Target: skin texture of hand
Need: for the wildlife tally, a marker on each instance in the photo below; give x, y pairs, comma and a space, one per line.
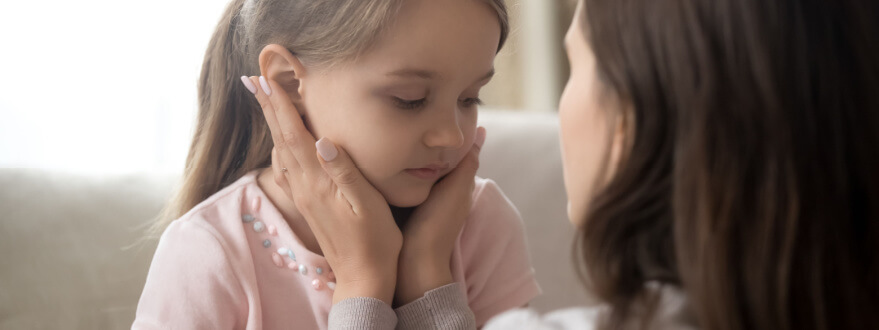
349, 217
432, 231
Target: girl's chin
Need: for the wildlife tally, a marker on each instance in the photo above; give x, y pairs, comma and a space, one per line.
407, 197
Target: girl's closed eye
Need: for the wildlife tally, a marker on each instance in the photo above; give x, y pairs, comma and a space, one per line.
471, 102
416, 104
409, 104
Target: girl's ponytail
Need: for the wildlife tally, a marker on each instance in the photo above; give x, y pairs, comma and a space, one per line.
231, 136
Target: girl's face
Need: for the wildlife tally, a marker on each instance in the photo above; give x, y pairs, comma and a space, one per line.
406, 110
585, 125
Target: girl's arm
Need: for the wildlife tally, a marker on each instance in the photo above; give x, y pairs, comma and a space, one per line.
495, 256
192, 283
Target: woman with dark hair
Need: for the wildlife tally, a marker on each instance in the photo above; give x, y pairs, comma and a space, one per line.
721, 167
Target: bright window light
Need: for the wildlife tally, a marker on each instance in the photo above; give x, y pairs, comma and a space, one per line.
101, 86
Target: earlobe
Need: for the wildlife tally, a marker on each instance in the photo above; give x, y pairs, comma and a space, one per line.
280, 65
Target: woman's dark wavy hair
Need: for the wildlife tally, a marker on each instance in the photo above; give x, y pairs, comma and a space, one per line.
751, 175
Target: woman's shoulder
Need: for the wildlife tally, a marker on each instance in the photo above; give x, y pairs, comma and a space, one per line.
528, 318
672, 312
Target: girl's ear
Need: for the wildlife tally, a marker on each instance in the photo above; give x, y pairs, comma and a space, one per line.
279, 64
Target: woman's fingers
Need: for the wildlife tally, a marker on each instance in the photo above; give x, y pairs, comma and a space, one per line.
466, 169
285, 166
278, 170
347, 177
290, 151
288, 131
252, 84
292, 130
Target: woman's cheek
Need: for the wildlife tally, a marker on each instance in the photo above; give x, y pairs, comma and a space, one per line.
576, 168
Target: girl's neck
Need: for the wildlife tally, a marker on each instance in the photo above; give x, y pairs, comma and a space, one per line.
266, 181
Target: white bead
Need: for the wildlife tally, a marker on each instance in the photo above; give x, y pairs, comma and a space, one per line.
259, 226
331, 285
283, 251
303, 270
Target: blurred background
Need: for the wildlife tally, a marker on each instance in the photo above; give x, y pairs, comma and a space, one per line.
98, 106
105, 86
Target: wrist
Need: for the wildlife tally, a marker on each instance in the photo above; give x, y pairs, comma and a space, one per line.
425, 254
417, 275
379, 286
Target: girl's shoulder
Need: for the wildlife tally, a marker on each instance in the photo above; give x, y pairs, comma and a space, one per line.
487, 193
491, 207
202, 262
223, 213
493, 254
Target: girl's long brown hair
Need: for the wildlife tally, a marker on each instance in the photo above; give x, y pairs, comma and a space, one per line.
751, 177
231, 136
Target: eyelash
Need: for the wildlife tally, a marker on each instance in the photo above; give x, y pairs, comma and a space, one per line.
411, 105
473, 101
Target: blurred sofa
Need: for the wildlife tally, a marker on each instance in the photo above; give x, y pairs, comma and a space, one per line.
73, 254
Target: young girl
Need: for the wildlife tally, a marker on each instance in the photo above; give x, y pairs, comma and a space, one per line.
395, 85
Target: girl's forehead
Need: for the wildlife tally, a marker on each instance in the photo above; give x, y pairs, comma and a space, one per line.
438, 40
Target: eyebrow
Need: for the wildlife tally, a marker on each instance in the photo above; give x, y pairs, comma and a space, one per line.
429, 75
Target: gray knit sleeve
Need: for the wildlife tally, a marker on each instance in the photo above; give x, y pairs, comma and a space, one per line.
362, 313
441, 308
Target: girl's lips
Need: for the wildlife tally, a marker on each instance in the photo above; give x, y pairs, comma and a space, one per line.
424, 173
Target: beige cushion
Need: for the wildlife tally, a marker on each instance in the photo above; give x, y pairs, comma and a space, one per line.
522, 154
64, 238
72, 257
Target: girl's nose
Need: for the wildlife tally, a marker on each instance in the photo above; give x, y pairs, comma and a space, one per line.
445, 132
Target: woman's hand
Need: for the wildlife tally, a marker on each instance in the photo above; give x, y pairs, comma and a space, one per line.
432, 231
349, 217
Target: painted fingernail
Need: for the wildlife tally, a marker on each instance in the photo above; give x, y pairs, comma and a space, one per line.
480, 136
326, 149
265, 85
248, 84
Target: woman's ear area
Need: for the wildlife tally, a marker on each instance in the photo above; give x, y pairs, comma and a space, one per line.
279, 64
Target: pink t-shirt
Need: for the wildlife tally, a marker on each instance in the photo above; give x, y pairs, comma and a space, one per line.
233, 262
